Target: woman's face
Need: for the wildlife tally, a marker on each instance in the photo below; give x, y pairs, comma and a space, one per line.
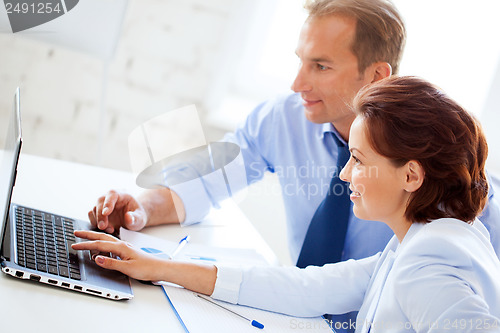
378, 187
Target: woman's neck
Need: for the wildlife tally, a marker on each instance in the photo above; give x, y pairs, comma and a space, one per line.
400, 228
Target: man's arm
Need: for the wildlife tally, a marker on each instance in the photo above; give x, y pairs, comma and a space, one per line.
189, 202
491, 214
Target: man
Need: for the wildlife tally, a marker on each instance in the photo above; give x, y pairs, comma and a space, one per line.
343, 45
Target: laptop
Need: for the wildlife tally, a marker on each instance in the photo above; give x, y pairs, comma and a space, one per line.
36, 245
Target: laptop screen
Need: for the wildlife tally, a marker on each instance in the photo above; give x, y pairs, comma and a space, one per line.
8, 165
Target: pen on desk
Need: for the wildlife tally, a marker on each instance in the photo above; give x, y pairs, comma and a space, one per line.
175, 311
181, 244
253, 322
202, 258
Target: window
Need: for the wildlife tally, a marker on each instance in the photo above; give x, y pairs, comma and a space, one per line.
452, 43
268, 62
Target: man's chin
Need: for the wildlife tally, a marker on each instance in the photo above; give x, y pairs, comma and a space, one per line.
314, 117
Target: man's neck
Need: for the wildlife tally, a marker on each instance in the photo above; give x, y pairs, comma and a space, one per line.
343, 128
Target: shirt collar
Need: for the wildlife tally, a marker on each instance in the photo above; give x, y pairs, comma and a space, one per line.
329, 128
412, 231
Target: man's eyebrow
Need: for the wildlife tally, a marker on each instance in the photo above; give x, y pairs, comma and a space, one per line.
321, 59
316, 59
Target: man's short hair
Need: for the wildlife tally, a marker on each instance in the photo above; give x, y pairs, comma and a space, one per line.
380, 31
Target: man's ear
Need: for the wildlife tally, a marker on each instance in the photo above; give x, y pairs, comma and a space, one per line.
414, 176
381, 70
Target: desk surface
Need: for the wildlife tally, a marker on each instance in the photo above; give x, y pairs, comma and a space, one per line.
71, 189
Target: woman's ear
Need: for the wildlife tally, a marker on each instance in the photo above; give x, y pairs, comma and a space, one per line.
415, 175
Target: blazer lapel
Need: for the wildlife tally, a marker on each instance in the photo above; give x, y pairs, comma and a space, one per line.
373, 295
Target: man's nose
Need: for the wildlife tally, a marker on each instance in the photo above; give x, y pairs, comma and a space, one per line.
301, 82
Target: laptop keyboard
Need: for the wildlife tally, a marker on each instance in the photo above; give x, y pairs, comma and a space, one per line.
44, 243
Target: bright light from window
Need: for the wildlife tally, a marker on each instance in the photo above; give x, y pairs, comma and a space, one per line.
270, 65
452, 43
279, 62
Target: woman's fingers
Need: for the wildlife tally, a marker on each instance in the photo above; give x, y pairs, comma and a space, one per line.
92, 235
132, 262
110, 263
100, 246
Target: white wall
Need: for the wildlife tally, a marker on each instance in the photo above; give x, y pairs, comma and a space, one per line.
490, 118
168, 56
179, 52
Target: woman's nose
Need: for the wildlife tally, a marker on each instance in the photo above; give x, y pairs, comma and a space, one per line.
345, 174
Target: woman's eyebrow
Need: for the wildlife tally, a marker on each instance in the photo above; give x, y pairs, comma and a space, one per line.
356, 149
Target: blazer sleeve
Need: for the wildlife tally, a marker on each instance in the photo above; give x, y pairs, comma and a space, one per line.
444, 284
310, 292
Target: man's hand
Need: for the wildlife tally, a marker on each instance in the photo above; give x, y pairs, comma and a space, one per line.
152, 207
117, 209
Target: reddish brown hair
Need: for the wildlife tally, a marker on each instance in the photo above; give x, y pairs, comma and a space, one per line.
407, 118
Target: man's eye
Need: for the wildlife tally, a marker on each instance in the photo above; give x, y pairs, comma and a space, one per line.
321, 67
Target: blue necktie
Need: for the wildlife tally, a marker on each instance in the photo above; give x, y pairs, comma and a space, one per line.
325, 238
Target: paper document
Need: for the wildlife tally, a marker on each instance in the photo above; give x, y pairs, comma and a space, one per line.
200, 316
203, 317
195, 252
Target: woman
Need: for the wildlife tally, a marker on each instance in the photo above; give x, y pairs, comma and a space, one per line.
417, 164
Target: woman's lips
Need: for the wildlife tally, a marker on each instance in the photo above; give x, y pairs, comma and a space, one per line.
354, 194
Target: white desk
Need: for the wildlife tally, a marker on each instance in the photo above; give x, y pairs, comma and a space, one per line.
71, 189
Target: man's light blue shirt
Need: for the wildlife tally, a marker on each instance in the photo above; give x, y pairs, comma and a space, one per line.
276, 137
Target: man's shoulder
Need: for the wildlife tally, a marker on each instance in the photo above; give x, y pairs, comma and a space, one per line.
282, 104
283, 111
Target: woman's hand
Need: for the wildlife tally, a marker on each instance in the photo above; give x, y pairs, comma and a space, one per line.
134, 262
143, 266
